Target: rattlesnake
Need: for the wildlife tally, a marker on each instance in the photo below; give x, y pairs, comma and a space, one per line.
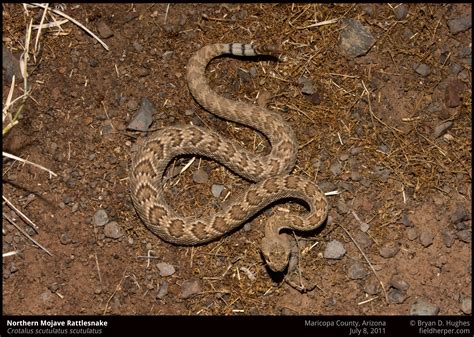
270, 172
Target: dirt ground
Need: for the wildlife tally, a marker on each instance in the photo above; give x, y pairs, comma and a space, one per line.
390, 131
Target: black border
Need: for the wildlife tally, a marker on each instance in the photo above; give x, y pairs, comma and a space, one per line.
248, 325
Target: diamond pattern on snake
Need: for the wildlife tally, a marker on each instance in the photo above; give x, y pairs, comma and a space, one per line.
270, 173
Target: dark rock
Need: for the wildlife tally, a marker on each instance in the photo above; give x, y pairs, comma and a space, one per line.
461, 24
104, 30
396, 296
357, 271
423, 307
401, 11
144, 117
356, 39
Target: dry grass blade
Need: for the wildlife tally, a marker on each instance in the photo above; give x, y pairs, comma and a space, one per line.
75, 21
26, 234
40, 27
11, 156
322, 23
366, 259
7, 254
17, 211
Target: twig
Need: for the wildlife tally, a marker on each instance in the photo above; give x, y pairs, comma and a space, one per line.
26, 234
366, 259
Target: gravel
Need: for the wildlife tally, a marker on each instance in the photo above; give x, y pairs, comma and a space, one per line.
465, 235
334, 250
460, 24
399, 283
100, 218
372, 286
466, 305
200, 176
447, 237
217, 190
165, 269
422, 69
104, 30
389, 250
426, 238
401, 11
357, 271
441, 129
190, 288
396, 296
423, 307
112, 230
356, 39
163, 290
144, 116
461, 214
412, 234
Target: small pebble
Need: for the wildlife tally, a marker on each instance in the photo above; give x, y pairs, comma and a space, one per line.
356, 39
363, 240
426, 238
465, 235
335, 168
200, 176
461, 24
65, 239
165, 269
372, 286
112, 230
401, 11
396, 296
423, 307
422, 69
217, 190
466, 305
307, 85
334, 250
163, 291
448, 237
389, 250
190, 287
412, 234
100, 218
144, 116
357, 271
441, 129
399, 283
104, 30
461, 214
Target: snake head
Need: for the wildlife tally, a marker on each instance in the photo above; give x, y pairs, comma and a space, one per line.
276, 250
